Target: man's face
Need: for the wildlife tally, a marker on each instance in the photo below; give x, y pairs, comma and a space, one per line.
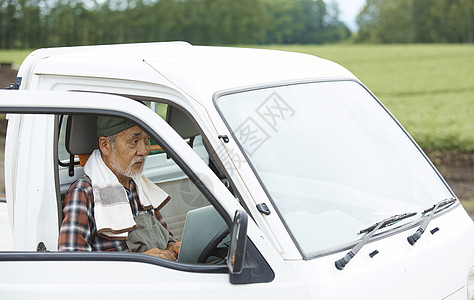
129, 152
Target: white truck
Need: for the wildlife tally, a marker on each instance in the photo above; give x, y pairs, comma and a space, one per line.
288, 180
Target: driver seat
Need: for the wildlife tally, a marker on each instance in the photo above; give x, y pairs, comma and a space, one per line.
81, 138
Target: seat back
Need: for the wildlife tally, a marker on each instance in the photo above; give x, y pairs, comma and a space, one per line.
80, 139
181, 122
81, 134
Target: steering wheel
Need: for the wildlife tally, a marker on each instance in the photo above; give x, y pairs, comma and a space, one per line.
211, 248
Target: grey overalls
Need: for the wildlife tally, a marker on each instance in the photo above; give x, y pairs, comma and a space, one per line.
149, 234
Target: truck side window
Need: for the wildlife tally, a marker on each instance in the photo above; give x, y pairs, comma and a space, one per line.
182, 122
63, 155
187, 212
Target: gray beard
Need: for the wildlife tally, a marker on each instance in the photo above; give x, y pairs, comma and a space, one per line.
126, 172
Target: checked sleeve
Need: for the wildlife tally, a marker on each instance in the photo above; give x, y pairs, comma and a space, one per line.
76, 227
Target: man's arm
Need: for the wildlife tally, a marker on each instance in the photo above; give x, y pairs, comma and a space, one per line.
75, 231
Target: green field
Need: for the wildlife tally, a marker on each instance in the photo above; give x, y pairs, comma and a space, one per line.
14, 57
429, 88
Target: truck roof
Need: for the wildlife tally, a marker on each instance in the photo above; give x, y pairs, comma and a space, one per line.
199, 71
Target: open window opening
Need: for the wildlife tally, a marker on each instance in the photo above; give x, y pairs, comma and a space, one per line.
189, 215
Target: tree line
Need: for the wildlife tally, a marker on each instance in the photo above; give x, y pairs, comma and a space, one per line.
416, 21
47, 23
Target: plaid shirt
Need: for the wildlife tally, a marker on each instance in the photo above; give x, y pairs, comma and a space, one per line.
78, 230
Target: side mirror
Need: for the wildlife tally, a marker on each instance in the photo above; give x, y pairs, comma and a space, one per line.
238, 243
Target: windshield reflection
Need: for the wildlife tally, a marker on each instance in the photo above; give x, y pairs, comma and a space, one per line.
331, 157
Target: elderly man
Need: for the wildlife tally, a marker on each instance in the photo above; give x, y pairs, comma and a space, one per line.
115, 207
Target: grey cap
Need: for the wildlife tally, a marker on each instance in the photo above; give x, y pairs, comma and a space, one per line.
108, 126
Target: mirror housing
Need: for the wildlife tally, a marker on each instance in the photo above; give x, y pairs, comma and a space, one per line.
245, 263
238, 243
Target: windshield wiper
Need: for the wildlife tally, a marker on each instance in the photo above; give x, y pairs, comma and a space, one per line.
416, 236
341, 263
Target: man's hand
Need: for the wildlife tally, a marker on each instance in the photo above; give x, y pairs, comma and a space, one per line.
174, 248
166, 254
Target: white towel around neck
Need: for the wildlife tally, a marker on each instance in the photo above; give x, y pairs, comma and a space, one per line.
112, 212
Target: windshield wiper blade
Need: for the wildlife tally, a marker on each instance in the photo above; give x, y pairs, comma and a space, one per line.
341, 263
416, 236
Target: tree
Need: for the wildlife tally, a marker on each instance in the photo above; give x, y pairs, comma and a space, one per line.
335, 29
40, 23
419, 21
9, 22
281, 26
303, 21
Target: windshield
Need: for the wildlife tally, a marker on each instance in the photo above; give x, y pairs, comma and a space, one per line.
331, 158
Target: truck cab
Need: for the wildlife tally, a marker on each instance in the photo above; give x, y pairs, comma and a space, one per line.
287, 177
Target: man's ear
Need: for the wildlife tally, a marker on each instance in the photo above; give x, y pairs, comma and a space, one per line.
105, 146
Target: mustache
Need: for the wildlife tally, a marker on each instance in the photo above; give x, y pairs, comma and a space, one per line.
138, 159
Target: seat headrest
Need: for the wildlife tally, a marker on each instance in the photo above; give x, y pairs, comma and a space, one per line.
181, 122
81, 134
81, 130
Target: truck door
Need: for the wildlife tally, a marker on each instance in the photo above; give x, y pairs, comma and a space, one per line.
40, 271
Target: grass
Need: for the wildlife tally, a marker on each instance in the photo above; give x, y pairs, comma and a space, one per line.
15, 57
429, 88
468, 204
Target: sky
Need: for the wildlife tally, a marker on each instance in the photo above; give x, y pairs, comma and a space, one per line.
349, 9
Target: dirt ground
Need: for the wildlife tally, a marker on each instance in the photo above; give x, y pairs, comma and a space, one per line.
456, 167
